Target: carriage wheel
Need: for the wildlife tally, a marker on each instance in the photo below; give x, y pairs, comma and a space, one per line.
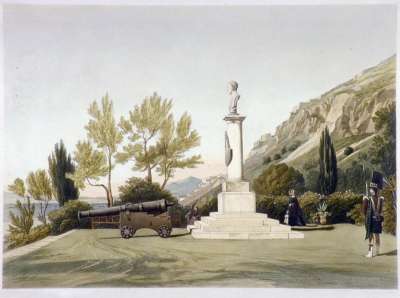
164, 231
127, 232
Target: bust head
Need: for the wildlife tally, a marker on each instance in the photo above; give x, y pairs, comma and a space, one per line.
232, 86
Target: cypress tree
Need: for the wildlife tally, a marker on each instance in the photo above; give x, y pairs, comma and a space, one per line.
61, 164
327, 164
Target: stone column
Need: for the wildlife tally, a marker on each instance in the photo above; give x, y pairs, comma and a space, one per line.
234, 132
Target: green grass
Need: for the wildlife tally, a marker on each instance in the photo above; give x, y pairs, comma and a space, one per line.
100, 258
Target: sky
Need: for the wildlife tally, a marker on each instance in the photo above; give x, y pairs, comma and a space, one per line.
59, 59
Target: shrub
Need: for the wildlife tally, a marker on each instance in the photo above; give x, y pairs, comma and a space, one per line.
340, 203
311, 181
294, 146
278, 179
356, 214
22, 223
283, 151
389, 207
178, 213
274, 206
66, 217
137, 190
209, 205
277, 156
17, 239
267, 160
309, 203
348, 150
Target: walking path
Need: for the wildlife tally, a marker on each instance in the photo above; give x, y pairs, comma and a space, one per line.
23, 250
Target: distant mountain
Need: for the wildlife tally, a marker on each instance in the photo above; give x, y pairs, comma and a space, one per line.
347, 111
183, 187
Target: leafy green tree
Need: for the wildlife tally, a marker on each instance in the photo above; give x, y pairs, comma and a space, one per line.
327, 164
173, 143
91, 165
141, 128
60, 164
278, 180
39, 187
104, 132
311, 181
18, 187
22, 223
383, 149
137, 190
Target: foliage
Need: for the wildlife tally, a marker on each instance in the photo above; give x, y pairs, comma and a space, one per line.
60, 164
16, 239
311, 180
294, 146
278, 179
357, 215
22, 223
383, 149
283, 150
18, 187
209, 205
267, 160
277, 156
322, 206
91, 165
137, 190
327, 164
172, 145
348, 150
178, 215
340, 203
355, 177
104, 132
141, 128
274, 206
39, 187
308, 203
66, 217
389, 206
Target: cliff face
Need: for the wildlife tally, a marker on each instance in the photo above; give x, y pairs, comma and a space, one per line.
347, 111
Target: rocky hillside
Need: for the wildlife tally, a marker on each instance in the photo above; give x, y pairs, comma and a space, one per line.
346, 110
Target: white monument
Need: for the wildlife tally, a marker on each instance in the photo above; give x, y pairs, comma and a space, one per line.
236, 217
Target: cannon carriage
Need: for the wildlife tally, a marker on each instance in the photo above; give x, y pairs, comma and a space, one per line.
132, 217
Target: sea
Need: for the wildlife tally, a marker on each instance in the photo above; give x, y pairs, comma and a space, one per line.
9, 205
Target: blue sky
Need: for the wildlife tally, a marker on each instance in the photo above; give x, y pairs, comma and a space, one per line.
59, 59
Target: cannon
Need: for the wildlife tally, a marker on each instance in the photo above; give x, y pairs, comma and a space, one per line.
132, 217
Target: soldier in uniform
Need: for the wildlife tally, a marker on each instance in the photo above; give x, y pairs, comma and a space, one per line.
373, 209
295, 214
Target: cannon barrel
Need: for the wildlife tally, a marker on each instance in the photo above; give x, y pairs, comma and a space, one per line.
153, 206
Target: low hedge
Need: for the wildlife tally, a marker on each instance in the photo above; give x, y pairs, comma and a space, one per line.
15, 239
66, 217
274, 206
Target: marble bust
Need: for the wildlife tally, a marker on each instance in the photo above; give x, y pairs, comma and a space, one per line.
234, 97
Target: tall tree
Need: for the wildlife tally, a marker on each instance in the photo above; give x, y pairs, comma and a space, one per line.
60, 164
327, 164
383, 149
174, 142
39, 187
142, 128
104, 132
91, 165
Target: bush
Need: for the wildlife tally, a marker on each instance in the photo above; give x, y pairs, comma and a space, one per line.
311, 181
348, 150
340, 204
17, 239
277, 180
277, 156
66, 217
294, 146
267, 160
283, 151
209, 205
137, 190
309, 202
274, 206
178, 216
356, 214
389, 206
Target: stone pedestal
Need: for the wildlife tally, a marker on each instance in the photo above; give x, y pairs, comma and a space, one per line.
236, 217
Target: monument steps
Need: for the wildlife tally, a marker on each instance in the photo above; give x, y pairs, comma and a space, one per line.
246, 235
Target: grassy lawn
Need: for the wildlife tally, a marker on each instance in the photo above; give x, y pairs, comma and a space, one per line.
100, 258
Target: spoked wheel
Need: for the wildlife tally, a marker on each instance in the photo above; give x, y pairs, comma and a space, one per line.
127, 232
164, 231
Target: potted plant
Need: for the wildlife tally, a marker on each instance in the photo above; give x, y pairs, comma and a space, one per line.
322, 213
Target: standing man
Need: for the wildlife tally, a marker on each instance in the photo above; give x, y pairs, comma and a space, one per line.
373, 210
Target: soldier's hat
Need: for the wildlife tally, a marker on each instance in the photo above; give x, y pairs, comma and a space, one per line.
376, 181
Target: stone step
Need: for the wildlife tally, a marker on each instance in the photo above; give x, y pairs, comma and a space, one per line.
238, 215
246, 235
234, 229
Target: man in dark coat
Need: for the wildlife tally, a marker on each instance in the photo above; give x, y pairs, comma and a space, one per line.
373, 211
296, 217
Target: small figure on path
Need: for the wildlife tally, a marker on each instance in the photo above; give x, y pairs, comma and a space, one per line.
373, 209
295, 214
234, 97
192, 215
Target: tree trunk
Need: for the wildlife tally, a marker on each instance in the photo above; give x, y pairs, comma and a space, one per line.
104, 187
110, 197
